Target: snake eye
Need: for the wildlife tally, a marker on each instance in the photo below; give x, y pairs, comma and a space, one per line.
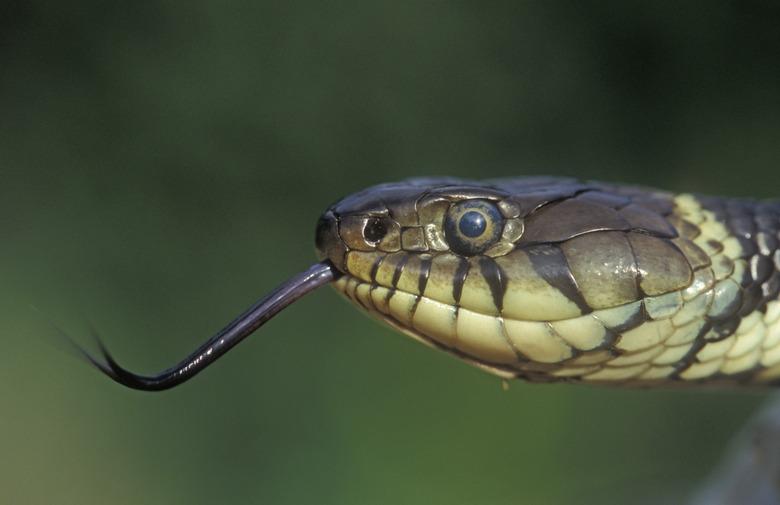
472, 226
375, 230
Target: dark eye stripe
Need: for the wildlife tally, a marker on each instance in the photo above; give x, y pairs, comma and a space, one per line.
459, 279
551, 265
495, 279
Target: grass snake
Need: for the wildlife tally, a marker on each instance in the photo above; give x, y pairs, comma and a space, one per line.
546, 280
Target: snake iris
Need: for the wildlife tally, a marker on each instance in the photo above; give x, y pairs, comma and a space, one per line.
546, 280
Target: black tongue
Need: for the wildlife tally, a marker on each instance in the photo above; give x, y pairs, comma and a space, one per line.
286, 294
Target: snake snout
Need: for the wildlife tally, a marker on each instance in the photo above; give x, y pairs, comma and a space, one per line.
328, 242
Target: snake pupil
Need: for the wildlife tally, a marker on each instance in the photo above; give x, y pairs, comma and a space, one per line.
472, 224
375, 230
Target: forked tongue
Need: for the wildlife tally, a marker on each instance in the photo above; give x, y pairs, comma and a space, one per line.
241, 327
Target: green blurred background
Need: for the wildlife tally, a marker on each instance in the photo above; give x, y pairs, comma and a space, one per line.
163, 164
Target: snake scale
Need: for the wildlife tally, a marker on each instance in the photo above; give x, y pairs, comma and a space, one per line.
546, 280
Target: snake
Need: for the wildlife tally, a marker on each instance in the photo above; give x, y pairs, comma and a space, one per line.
544, 279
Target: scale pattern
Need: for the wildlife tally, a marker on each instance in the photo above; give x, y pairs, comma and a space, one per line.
588, 282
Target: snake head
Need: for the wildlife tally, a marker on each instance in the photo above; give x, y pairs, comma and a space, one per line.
543, 279
540, 278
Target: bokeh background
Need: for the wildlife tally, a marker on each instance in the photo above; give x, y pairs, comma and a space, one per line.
162, 165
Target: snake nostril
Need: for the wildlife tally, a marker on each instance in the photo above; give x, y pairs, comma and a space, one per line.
375, 230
